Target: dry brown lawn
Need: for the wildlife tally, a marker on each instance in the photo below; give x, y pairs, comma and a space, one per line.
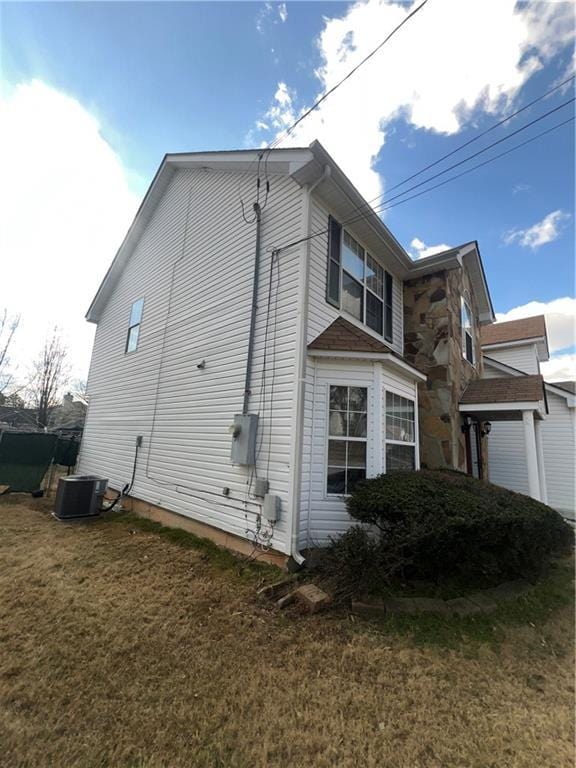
120, 648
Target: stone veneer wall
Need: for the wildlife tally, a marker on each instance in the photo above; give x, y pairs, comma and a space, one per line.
433, 344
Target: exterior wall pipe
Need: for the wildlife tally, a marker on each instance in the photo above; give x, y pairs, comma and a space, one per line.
250, 353
300, 374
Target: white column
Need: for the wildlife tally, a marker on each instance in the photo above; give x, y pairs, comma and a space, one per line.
540, 456
531, 454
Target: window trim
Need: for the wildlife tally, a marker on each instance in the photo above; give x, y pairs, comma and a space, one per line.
466, 305
416, 444
132, 326
387, 283
368, 386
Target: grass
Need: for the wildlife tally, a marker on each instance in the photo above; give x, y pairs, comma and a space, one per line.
125, 645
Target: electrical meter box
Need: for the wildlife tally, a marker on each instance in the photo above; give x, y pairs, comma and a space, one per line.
244, 432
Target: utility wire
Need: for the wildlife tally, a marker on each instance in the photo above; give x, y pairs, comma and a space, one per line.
279, 139
452, 178
479, 165
479, 136
460, 162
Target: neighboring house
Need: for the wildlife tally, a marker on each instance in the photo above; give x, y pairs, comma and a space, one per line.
515, 349
254, 365
69, 416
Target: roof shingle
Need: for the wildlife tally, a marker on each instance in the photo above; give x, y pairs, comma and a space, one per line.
509, 389
513, 330
342, 336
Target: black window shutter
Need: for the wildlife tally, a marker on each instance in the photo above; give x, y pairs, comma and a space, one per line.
388, 329
333, 267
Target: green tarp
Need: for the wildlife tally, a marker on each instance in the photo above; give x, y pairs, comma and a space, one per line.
66, 452
24, 459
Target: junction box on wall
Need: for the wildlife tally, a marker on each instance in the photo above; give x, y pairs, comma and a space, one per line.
244, 430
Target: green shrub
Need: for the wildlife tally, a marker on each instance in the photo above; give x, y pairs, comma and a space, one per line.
442, 524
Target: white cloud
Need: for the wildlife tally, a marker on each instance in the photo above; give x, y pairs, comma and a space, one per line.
434, 72
545, 231
420, 250
560, 320
559, 368
271, 13
65, 206
517, 188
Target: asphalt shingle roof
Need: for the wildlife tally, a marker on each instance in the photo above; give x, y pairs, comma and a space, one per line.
513, 330
342, 336
509, 389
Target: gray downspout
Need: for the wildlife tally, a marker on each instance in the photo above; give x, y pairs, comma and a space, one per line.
250, 355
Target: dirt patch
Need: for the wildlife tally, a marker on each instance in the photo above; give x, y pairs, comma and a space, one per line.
119, 648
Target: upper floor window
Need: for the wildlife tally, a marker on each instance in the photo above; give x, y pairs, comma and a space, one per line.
467, 332
356, 283
134, 325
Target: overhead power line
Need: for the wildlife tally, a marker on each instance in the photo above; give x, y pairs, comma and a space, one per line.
279, 139
479, 165
480, 135
384, 205
480, 151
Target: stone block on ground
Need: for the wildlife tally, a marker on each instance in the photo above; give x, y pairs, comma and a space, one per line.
369, 606
509, 590
431, 605
486, 603
462, 607
397, 605
312, 597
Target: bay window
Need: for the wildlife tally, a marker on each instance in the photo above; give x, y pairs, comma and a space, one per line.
347, 438
400, 433
357, 284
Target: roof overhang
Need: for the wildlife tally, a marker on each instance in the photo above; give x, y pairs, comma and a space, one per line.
466, 256
548, 385
503, 411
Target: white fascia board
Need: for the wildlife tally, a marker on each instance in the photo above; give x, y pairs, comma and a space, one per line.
378, 357
537, 406
517, 343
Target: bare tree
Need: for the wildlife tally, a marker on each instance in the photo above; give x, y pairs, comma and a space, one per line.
50, 374
8, 327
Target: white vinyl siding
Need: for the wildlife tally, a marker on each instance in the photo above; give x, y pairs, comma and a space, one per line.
198, 297
507, 452
323, 516
320, 312
524, 357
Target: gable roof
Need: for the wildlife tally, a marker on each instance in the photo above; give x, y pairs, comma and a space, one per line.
514, 330
305, 166
342, 336
466, 256
568, 386
508, 389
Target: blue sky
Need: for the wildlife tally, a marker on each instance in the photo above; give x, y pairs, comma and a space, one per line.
167, 77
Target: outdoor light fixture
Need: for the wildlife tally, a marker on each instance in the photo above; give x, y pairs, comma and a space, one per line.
486, 428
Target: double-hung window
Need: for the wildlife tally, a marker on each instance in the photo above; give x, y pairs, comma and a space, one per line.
357, 284
134, 325
400, 433
347, 438
467, 332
